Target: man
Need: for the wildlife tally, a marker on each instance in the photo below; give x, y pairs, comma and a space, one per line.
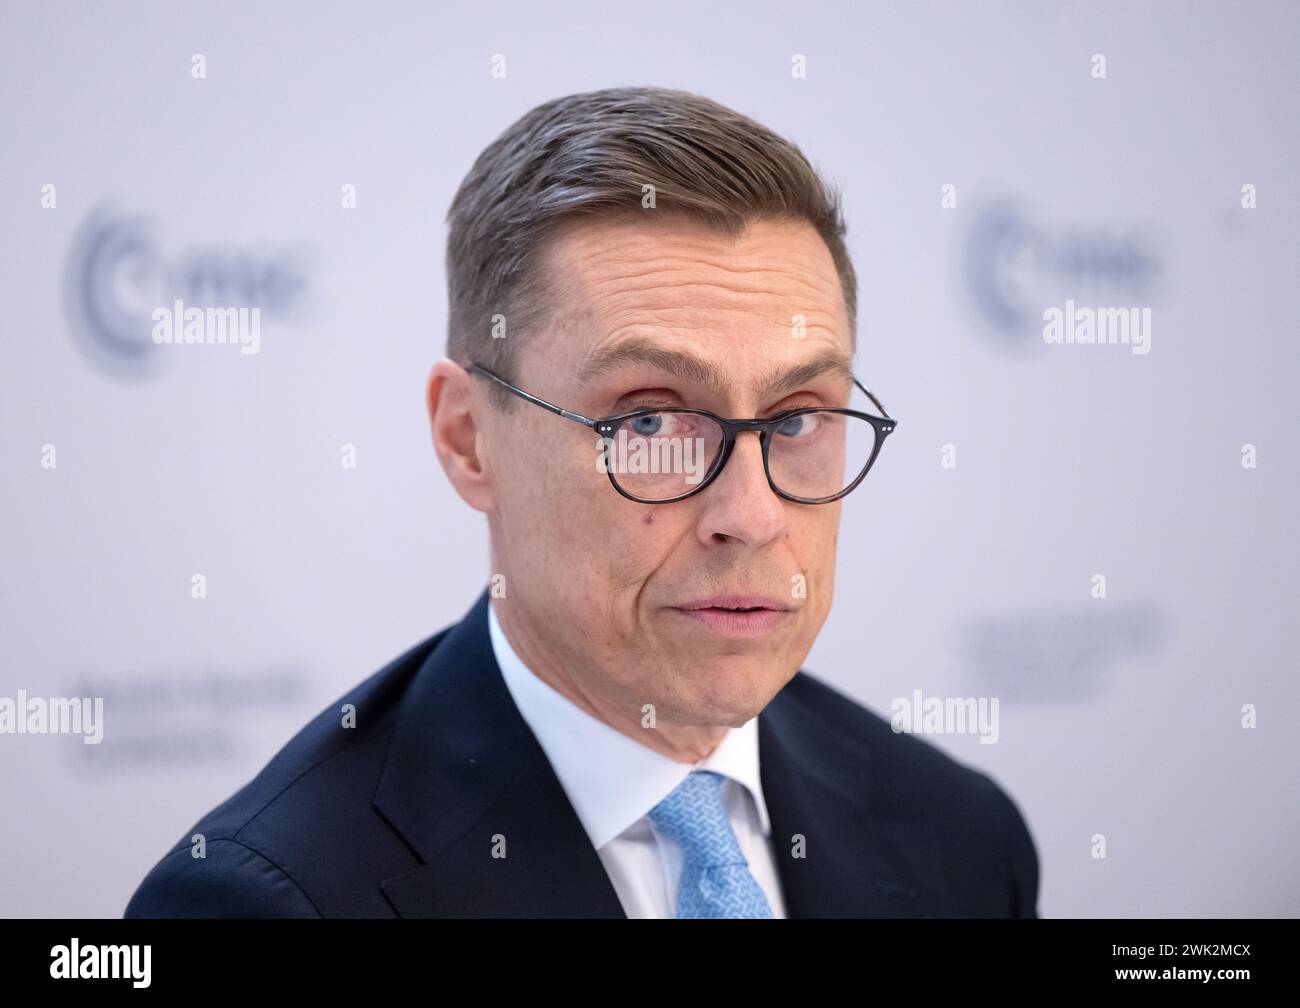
649, 394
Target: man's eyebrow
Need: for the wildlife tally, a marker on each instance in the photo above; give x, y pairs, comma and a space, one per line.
688, 367
640, 350
829, 363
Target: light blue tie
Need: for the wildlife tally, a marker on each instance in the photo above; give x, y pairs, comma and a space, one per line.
715, 878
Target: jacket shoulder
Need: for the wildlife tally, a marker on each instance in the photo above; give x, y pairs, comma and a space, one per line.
229, 880
256, 856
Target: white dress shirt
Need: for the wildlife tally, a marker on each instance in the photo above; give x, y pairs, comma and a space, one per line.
613, 782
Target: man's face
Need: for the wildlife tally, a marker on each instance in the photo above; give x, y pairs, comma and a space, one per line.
597, 582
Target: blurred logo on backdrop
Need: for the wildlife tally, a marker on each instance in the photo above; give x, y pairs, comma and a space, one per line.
185, 717
1062, 654
1015, 265
118, 273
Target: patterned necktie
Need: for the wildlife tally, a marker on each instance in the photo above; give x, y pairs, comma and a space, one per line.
715, 879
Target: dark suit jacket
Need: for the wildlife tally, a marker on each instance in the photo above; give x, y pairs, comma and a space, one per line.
396, 816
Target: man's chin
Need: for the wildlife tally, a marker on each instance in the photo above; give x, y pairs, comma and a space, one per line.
726, 691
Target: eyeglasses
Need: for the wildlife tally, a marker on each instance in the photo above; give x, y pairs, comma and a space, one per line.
812, 455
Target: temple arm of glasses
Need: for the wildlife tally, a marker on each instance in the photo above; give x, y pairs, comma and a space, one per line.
879, 405
568, 415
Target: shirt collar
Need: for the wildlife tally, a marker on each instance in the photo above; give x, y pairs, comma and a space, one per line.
613, 780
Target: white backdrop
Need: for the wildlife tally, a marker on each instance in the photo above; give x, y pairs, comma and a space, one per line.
1119, 716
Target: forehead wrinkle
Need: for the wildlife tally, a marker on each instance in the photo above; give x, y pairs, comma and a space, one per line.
644, 277
641, 261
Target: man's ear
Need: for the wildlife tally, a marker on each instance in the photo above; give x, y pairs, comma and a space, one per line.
454, 405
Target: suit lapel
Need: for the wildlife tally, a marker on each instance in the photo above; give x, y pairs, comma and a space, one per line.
465, 776
860, 859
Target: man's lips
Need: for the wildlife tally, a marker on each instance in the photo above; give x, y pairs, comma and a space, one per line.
736, 602
736, 615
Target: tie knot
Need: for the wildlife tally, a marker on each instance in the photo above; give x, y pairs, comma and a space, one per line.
694, 817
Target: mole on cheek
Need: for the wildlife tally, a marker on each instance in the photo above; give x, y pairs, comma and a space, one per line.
649, 518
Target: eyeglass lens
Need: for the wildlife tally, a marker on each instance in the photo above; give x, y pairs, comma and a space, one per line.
661, 456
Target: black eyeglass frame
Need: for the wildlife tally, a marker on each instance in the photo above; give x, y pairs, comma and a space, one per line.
607, 426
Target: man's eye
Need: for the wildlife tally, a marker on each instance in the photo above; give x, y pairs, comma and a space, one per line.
647, 426
799, 426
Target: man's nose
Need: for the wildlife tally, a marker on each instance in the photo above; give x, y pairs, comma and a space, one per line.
740, 504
